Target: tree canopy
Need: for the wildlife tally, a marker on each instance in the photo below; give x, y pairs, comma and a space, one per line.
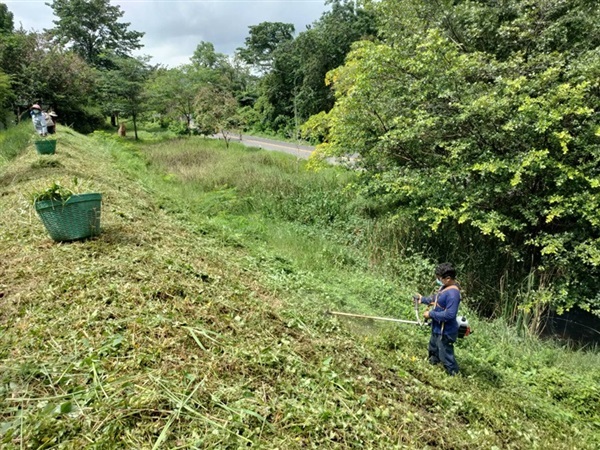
205, 56
262, 42
123, 87
294, 87
42, 72
92, 29
6, 19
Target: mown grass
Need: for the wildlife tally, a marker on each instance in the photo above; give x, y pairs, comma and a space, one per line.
195, 320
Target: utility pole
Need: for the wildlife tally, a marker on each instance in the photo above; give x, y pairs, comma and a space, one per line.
296, 110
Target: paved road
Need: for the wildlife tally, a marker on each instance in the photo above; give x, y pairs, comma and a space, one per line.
301, 151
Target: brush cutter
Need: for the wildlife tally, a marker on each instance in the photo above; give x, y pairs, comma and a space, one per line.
361, 316
388, 319
463, 325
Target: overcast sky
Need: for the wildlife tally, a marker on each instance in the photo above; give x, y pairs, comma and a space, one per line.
175, 27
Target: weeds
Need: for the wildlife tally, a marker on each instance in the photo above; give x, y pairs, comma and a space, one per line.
59, 190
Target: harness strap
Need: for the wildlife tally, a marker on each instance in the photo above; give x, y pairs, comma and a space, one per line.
435, 304
452, 286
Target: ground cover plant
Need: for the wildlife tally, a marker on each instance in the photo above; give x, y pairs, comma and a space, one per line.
196, 320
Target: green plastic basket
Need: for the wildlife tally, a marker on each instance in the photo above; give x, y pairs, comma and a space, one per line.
46, 146
77, 218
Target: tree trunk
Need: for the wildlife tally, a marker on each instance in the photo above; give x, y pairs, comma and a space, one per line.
135, 126
226, 137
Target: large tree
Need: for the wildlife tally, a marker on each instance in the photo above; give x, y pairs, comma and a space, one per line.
205, 56
217, 68
17, 51
172, 92
6, 95
297, 85
216, 111
294, 88
262, 42
92, 29
67, 84
122, 87
42, 72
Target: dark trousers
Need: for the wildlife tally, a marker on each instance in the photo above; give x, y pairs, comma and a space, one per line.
441, 350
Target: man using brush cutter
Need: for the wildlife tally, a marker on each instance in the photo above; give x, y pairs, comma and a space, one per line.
444, 327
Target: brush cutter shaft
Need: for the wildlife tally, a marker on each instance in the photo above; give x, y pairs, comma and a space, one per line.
360, 316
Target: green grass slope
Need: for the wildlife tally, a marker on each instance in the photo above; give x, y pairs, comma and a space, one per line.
195, 321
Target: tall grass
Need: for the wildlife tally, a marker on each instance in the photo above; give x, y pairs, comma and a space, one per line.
268, 182
258, 199
14, 141
240, 181
318, 218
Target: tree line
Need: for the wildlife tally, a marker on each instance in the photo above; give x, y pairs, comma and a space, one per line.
83, 67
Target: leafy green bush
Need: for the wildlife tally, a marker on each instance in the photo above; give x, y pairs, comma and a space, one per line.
178, 127
85, 120
490, 145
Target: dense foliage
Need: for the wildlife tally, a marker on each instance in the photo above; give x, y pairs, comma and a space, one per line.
263, 41
277, 79
59, 68
479, 120
5, 98
293, 87
173, 94
123, 87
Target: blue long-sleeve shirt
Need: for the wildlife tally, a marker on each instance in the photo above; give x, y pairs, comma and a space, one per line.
443, 316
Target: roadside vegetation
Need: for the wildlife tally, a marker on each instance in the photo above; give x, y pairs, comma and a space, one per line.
197, 318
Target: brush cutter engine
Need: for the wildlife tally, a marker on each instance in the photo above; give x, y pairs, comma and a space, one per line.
463, 327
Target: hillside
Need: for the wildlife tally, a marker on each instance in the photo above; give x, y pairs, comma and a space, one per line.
186, 326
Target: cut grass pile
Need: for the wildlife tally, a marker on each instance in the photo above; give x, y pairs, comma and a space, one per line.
175, 329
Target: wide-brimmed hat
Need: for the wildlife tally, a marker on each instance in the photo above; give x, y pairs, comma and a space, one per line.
36, 106
53, 114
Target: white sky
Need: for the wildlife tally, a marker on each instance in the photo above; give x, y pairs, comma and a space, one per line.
175, 27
